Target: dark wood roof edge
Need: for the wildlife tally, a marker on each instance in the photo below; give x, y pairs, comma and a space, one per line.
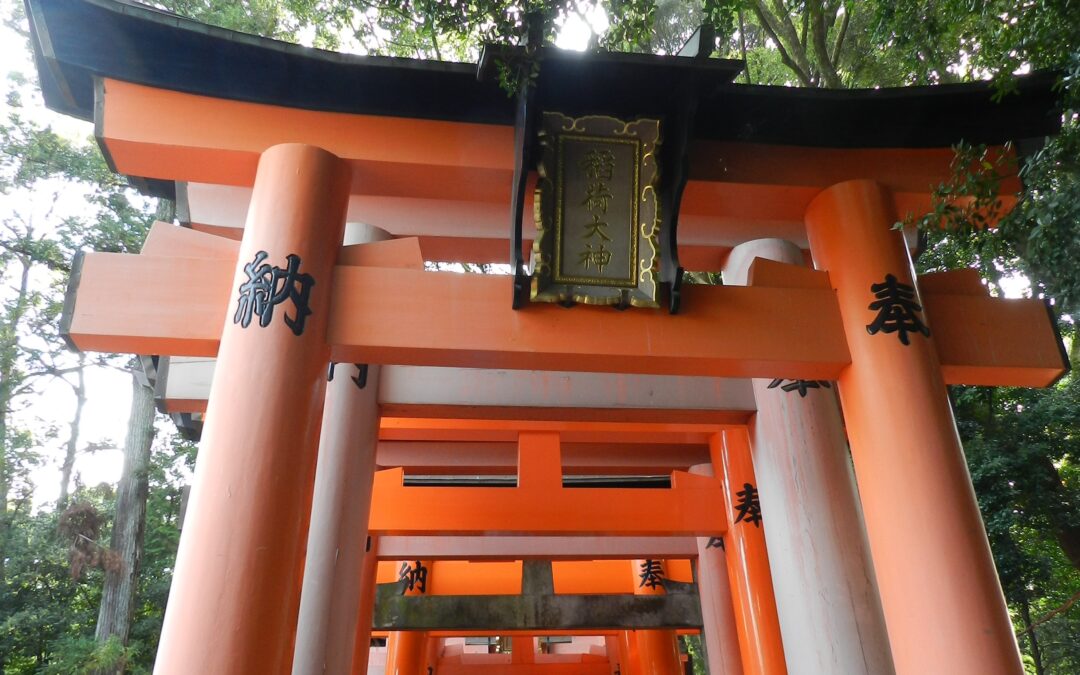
76, 41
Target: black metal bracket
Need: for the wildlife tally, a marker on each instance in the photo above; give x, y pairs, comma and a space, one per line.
525, 114
524, 137
680, 127
360, 379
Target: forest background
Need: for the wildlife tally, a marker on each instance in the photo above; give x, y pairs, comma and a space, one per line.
85, 567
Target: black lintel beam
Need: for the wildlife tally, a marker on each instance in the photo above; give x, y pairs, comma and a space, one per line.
539, 612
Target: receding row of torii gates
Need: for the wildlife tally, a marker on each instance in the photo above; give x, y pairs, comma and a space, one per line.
563, 469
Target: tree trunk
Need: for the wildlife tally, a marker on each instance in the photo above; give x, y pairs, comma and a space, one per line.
1059, 509
118, 595
73, 439
9, 384
1036, 654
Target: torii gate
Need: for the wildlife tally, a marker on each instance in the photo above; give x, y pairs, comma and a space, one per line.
292, 143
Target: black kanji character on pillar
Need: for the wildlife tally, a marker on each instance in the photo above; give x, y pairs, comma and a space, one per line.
897, 310
716, 542
413, 576
802, 386
749, 508
652, 574
269, 285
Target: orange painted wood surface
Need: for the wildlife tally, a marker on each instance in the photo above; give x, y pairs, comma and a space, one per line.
494, 430
698, 341
168, 240
184, 127
164, 305
929, 547
609, 576
176, 136
461, 577
616, 415
570, 577
406, 653
597, 667
541, 505
756, 622
235, 593
114, 312
995, 342
690, 507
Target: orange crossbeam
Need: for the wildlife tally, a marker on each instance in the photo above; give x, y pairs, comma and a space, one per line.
177, 306
539, 504
691, 507
495, 430
993, 342
570, 577
476, 327
531, 632
166, 134
149, 304
177, 136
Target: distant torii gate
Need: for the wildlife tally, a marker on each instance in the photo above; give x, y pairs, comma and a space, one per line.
577, 426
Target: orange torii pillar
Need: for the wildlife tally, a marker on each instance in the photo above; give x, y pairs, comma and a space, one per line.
718, 631
522, 649
236, 590
407, 651
826, 595
369, 570
657, 650
943, 603
611, 647
760, 645
327, 627
628, 653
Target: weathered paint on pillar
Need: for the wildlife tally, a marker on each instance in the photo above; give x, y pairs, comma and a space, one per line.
760, 645
369, 568
717, 614
407, 653
432, 654
611, 648
236, 590
826, 594
943, 603
658, 650
337, 537
628, 653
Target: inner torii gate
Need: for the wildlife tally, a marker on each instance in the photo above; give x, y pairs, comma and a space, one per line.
547, 470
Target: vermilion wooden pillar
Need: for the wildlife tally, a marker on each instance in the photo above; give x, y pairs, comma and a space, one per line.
943, 603
327, 627
522, 649
658, 650
407, 651
369, 569
717, 613
760, 645
236, 591
628, 653
826, 594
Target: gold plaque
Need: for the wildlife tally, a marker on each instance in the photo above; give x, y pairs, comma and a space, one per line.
597, 215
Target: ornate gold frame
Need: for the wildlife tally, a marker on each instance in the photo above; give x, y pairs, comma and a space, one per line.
548, 284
